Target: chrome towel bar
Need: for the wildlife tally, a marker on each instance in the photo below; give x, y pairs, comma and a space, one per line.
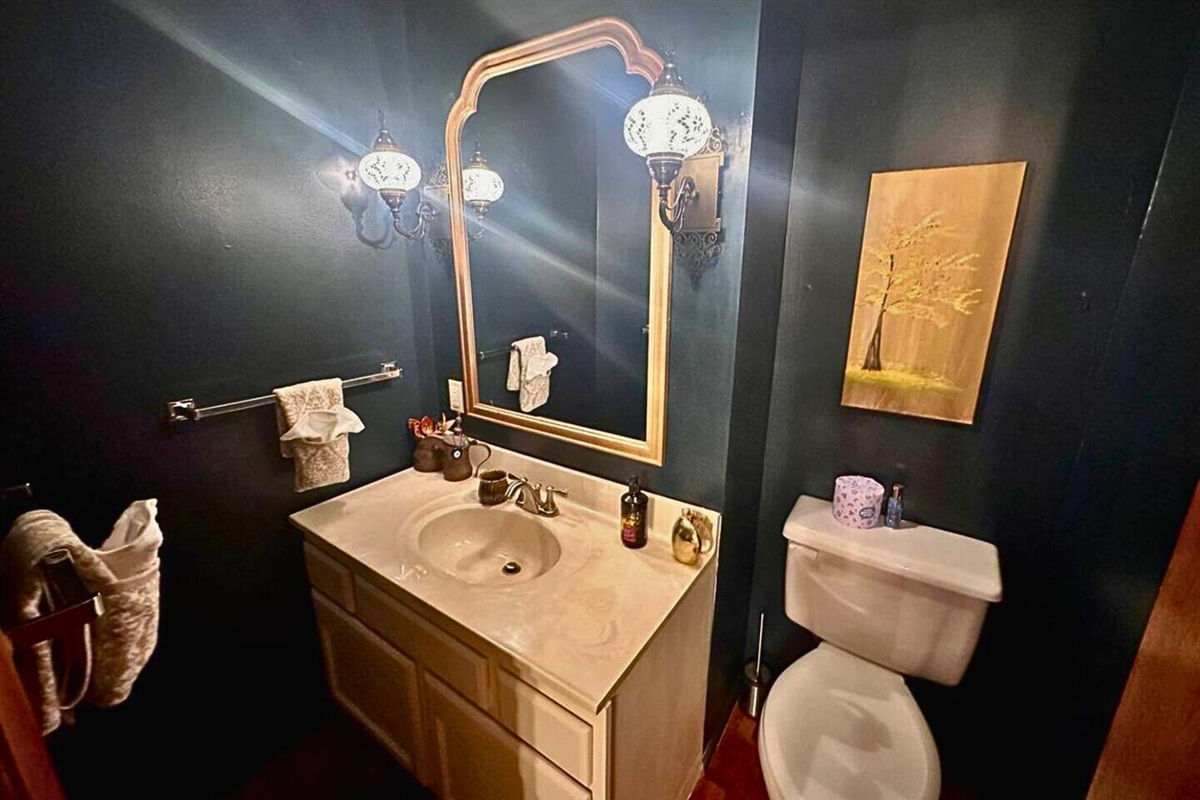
484, 355
186, 410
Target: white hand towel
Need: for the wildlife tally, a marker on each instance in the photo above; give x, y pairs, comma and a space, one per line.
540, 365
320, 464
322, 427
125, 571
529, 368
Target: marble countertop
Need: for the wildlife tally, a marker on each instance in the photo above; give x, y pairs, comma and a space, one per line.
580, 626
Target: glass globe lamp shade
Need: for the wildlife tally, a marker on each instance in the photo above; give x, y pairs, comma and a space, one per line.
387, 168
389, 171
482, 185
668, 125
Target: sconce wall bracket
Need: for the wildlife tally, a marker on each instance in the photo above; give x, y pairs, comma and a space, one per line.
698, 240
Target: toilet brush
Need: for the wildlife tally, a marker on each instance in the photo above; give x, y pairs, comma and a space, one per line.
756, 677
762, 618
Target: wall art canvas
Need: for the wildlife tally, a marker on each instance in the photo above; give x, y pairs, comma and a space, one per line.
934, 247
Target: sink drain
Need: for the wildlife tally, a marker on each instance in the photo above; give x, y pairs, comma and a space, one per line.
511, 568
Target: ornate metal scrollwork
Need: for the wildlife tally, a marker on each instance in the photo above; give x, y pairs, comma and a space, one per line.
697, 251
699, 241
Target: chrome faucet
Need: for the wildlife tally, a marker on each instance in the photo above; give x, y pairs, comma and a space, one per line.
532, 497
525, 493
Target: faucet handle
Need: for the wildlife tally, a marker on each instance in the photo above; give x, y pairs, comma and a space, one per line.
548, 507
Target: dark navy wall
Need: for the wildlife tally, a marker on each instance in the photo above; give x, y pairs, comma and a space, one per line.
176, 221
171, 226
1085, 448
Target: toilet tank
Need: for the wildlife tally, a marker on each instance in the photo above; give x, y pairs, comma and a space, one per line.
911, 599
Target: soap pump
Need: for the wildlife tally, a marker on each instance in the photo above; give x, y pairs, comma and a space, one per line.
633, 515
895, 507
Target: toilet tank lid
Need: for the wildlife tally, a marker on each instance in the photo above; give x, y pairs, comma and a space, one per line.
918, 552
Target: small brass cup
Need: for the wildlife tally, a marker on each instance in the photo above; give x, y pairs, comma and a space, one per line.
493, 483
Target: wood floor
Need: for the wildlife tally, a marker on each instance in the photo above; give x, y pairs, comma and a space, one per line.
340, 760
734, 773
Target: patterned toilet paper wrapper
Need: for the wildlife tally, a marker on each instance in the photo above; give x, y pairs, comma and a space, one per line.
857, 500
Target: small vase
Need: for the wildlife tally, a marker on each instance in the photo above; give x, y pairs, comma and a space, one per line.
429, 455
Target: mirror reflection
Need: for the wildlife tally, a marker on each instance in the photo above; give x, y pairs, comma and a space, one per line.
561, 273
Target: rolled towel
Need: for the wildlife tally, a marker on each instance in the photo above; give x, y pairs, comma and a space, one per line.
127, 631
303, 433
124, 571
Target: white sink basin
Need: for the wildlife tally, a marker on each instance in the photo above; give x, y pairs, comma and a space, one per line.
492, 546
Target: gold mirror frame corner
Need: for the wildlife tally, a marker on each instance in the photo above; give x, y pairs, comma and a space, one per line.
639, 60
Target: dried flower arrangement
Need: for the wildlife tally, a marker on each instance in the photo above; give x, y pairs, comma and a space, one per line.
425, 427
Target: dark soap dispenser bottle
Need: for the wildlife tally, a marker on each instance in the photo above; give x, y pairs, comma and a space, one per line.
633, 515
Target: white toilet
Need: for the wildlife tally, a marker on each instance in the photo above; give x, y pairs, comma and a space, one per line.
839, 724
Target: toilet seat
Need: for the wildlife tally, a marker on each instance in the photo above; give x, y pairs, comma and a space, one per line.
836, 727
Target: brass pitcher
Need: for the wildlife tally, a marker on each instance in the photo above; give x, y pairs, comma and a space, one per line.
691, 537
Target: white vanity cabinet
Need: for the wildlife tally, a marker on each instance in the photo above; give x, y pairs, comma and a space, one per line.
472, 722
355, 662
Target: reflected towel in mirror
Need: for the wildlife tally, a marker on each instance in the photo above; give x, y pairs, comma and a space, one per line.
529, 368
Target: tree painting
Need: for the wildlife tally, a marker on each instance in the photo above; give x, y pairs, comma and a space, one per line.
914, 278
932, 261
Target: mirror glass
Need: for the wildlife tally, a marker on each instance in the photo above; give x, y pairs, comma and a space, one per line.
565, 254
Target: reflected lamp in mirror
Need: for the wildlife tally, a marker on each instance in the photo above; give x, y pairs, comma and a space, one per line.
666, 127
482, 186
394, 173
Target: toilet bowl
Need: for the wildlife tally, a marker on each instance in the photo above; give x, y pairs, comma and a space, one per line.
836, 727
840, 723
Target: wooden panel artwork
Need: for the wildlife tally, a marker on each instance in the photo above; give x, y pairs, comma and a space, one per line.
934, 247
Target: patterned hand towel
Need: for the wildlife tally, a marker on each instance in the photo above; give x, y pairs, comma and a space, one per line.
124, 570
317, 464
529, 368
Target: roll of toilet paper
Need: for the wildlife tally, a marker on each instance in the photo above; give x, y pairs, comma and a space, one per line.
857, 500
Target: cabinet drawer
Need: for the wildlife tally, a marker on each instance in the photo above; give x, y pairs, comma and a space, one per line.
479, 760
452, 661
557, 734
329, 576
377, 685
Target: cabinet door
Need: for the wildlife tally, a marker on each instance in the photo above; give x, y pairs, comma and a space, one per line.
373, 681
479, 760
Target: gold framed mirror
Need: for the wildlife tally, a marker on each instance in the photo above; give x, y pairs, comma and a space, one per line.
607, 390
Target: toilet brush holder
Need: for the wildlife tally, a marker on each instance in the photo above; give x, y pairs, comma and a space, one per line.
755, 683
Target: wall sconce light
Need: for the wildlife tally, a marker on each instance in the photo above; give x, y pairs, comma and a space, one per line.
666, 127
394, 173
